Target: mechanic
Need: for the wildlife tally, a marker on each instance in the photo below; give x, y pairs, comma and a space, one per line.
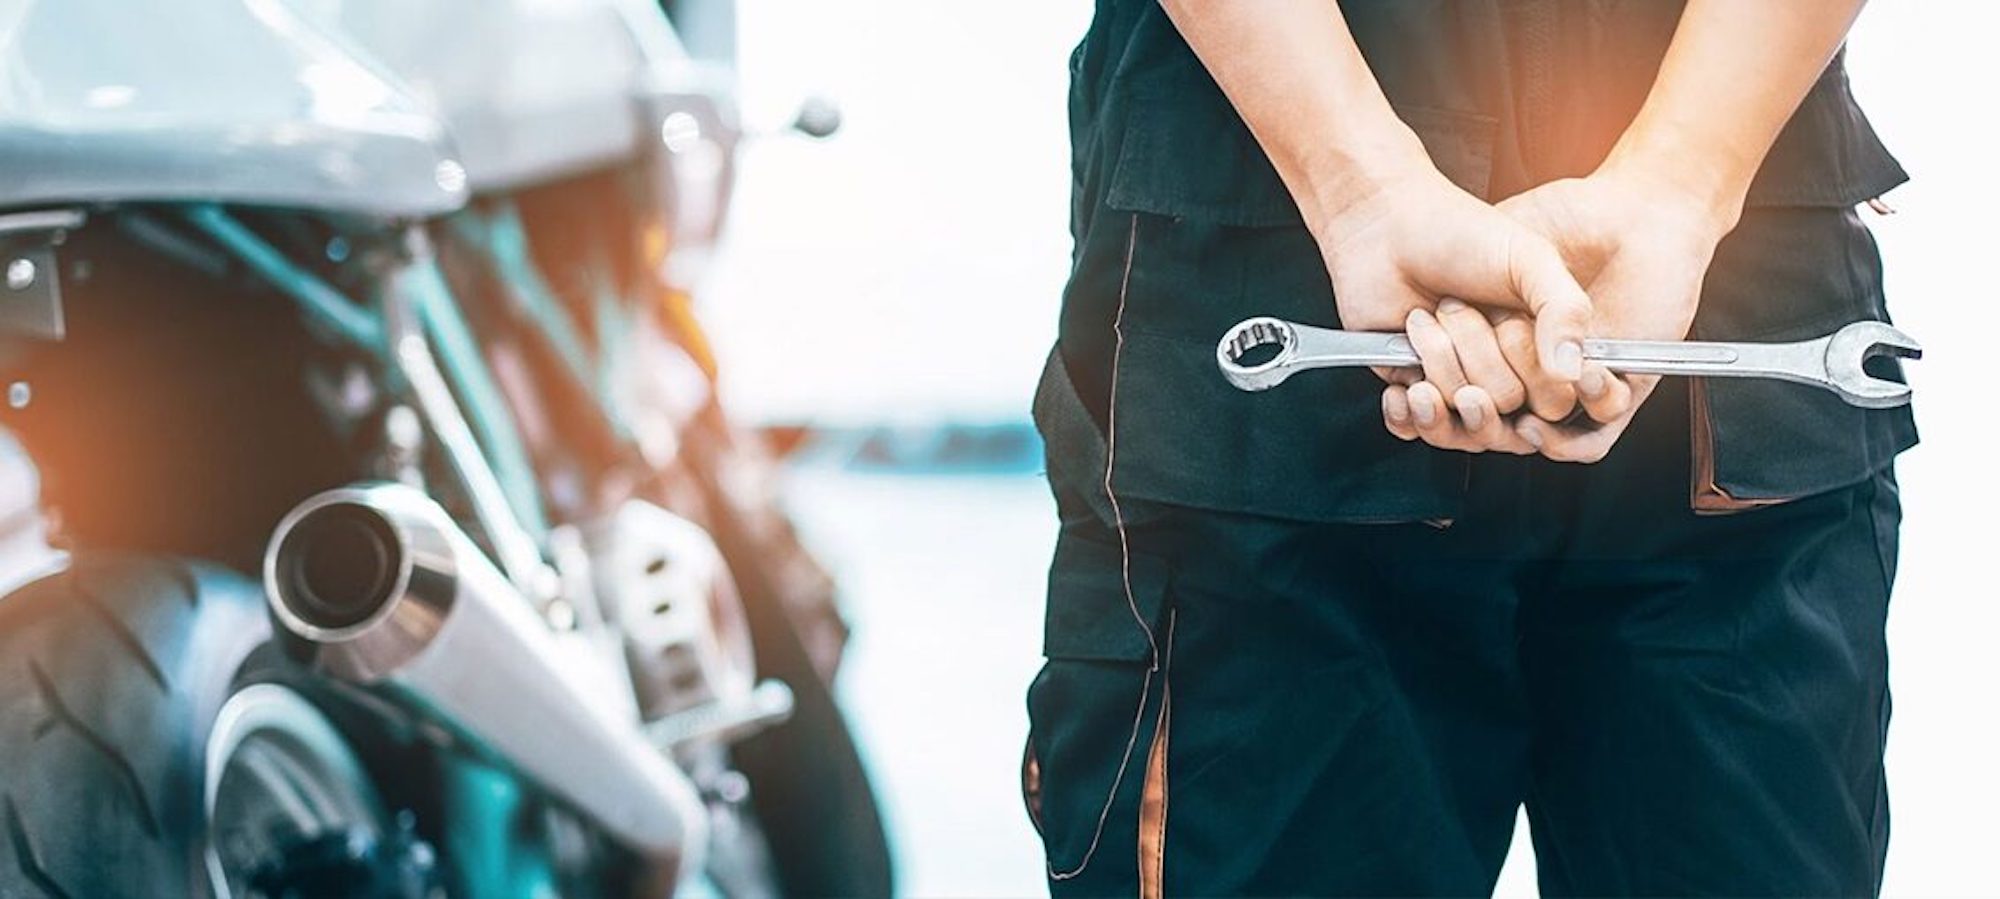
1328, 639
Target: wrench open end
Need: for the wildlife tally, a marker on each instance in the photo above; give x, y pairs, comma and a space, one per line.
1847, 355
1253, 334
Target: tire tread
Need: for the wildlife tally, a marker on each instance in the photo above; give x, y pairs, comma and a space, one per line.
127, 774
25, 856
121, 633
111, 673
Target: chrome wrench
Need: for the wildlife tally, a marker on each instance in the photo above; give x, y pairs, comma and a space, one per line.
1834, 362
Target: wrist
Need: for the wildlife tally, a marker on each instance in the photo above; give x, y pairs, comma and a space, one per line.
1338, 182
1702, 178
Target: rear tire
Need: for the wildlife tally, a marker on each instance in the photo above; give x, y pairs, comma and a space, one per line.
112, 676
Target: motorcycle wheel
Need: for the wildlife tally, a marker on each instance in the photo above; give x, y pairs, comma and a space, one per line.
149, 749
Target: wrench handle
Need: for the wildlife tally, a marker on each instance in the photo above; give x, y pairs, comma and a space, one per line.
1319, 347
1834, 362
1664, 357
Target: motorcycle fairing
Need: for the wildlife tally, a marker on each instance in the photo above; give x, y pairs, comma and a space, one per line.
231, 101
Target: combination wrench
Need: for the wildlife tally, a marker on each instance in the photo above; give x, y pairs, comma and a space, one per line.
1834, 362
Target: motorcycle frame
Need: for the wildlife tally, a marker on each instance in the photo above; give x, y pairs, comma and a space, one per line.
455, 394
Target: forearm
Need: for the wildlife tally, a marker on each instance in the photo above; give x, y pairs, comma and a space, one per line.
1732, 77
1294, 74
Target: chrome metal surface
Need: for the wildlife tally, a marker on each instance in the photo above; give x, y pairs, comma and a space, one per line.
1835, 362
413, 602
667, 589
20, 274
725, 720
229, 101
516, 549
463, 642
42, 220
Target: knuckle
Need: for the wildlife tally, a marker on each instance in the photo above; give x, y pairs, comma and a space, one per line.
1461, 317
1508, 396
1517, 338
1552, 405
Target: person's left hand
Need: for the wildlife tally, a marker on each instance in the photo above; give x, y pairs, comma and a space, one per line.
1640, 245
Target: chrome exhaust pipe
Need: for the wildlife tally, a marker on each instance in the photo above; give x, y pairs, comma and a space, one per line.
386, 590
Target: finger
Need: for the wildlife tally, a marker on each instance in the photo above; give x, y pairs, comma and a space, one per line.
1564, 443
1549, 397
1396, 412
1479, 356
1605, 396
1402, 375
1484, 424
1560, 306
1434, 347
1435, 422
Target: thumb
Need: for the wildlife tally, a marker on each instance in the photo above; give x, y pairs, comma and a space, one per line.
1561, 309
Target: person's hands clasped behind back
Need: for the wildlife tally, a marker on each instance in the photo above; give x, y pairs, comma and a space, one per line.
1497, 300
1406, 242
1639, 245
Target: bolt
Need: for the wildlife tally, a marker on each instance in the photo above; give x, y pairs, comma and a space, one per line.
562, 615
404, 430
679, 132
19, 394
731, 787
450, 176
20, 274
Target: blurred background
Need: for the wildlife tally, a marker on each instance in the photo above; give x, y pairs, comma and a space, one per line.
896, 289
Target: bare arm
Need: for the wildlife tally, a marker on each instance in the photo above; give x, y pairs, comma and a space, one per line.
1641, 230
1294, 74
1397, 236
1733, 76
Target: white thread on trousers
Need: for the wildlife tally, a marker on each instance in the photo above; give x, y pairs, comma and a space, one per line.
1124, 566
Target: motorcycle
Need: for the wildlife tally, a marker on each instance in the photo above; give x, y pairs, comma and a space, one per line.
402, 545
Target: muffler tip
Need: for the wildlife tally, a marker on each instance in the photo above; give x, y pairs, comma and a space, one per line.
339, 565
365, 574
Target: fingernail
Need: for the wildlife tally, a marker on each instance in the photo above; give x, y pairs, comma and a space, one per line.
1592, 383
1569, 360
1421, 408
1397, 413
1450, 305
1472, 415
1533, 435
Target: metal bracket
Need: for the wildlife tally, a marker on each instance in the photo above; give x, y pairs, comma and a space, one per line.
30, 274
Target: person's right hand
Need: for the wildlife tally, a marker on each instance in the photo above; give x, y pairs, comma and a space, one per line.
1404, 245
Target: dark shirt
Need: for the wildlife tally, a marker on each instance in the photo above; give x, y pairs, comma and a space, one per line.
1182, 228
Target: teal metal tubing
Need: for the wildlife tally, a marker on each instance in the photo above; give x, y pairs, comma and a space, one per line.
500, 235
610, 323
491, 420
328, 307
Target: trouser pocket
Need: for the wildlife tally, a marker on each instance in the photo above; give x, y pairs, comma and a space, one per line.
1095, 710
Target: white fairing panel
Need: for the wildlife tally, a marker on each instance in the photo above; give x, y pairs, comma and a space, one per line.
532, 90
234, 101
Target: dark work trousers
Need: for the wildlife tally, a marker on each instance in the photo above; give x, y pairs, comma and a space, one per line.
1687, 705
